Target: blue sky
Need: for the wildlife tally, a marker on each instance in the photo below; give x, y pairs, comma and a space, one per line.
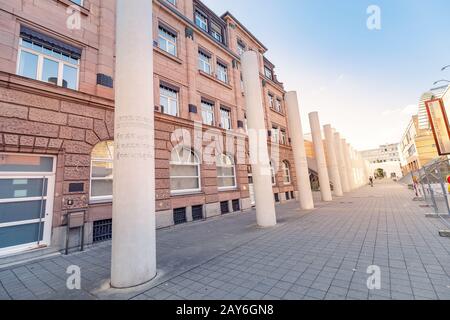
364, 82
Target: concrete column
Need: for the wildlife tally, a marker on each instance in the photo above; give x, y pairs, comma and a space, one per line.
298, 148
333, 165
341, 161
133, 260
324, 179
259, 154
348, 164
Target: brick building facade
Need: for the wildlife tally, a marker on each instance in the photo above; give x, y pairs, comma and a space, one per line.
57, 108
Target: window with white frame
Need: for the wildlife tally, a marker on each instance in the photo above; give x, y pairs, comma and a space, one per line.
275, 134
286, 173
216, 32
204, 62
102, 171
278, 105
226, 172
168, 100
273, 172
167, 40
184, 171
45, 63
283, 137
225, 118
201, 20
222, 72
208, 113
271, 101
241, 47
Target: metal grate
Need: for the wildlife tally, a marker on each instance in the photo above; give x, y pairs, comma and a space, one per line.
277, 197
197, 213
236, 205
224, 207
102, 230
288, 196
179, 215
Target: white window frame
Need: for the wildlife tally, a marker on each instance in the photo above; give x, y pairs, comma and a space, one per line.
204, 62
48, 217
278, 106
271, 100
181, 163
209, 110
283, 137
40, 65
201, 20
241, 48
162, 89
273, 173
168, 40
222, 72
287, 180
215, 34
275, 134
221, 164
98, 199
225, 119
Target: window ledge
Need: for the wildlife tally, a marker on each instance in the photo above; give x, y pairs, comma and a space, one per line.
277, 112
100, 202
82, 9
167, 55
187, 193
228, 189
226, 85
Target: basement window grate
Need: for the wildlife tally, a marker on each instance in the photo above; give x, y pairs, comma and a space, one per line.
102, 230
236, 205
277, 197
224, 207
292, 195
288, 196
197, 213
179, 216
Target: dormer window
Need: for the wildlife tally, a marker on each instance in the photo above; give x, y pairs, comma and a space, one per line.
268, 72
201, 20
216, 32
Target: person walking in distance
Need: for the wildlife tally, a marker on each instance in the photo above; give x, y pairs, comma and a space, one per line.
371, 181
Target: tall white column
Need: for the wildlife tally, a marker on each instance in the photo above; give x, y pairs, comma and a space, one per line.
324, 179
348, 164
341, 161
259, 154
133, 260
333, 165
298, 148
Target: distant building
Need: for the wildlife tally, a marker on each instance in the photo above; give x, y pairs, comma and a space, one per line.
386, 157
417, 147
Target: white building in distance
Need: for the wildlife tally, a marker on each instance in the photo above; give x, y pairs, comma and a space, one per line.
386, 157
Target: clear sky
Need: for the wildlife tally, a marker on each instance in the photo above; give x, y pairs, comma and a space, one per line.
366, 83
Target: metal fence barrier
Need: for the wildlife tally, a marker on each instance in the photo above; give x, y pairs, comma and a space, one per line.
430, 183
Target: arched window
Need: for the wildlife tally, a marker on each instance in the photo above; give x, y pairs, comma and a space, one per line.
184, 171
286, 173
226, 172
102, 171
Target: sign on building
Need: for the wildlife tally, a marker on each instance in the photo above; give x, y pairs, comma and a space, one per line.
440, 125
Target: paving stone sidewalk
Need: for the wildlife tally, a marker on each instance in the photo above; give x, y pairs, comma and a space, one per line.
321, 254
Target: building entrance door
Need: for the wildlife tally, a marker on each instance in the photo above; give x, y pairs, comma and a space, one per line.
27, 184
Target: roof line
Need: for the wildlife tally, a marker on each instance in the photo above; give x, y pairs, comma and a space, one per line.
243, 27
